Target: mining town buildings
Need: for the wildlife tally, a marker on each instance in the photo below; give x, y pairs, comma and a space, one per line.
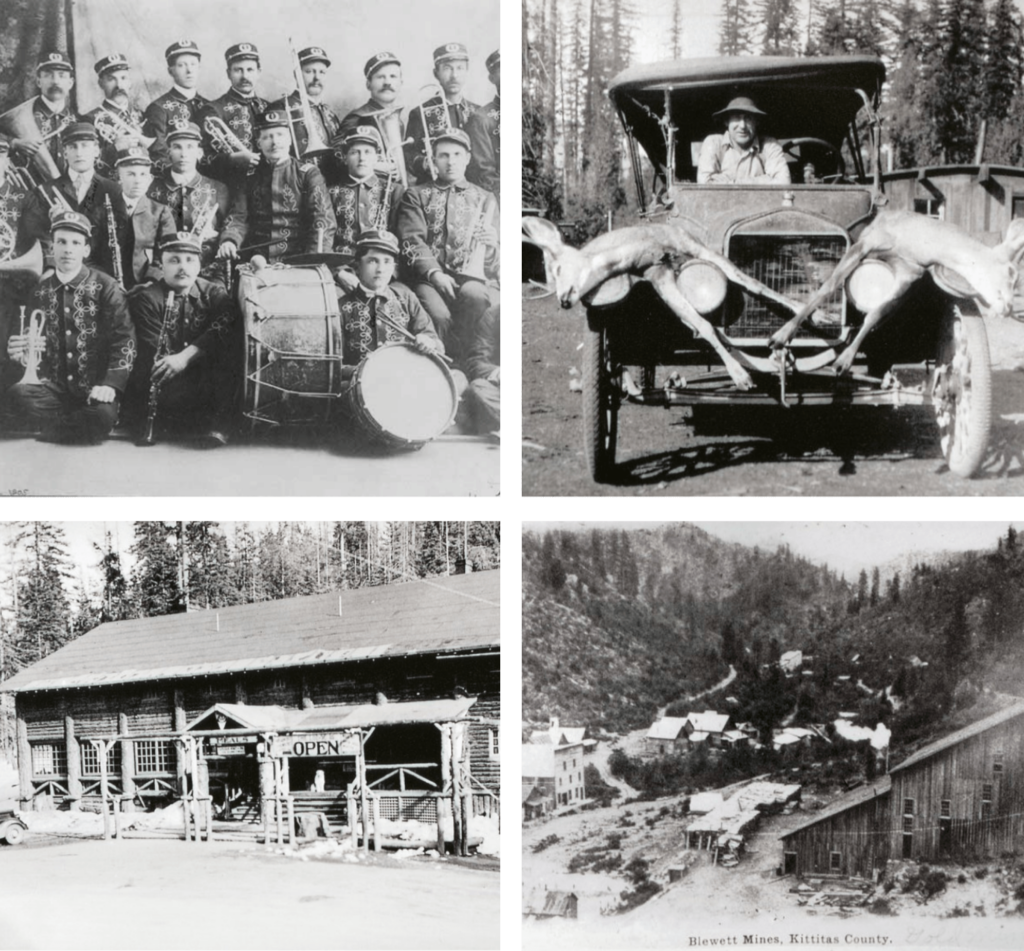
553, 765
381, 697
961, 797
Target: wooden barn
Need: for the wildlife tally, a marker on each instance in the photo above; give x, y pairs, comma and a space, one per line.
961, 797
380, 702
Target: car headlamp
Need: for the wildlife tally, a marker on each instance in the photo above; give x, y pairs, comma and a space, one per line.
703, 285
870, 285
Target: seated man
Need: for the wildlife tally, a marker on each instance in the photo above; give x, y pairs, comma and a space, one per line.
142, 222
84, 350
195, 376
741, 155
483, 366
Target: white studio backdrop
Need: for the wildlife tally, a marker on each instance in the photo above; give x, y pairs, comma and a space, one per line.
350, 32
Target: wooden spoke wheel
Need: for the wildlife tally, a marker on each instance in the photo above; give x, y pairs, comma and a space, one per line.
600, 405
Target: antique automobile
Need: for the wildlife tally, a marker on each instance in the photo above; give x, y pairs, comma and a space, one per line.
12, 829
932, 350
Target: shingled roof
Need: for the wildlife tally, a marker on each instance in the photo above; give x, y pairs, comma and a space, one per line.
435, 615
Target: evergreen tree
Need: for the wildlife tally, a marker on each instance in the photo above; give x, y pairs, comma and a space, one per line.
210, 576
735, 35
1002, 68
862, 589
675, 35
781, 27
116, 602
156, 578
875, 584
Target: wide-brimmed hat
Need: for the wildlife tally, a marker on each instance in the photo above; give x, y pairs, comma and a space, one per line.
741, 104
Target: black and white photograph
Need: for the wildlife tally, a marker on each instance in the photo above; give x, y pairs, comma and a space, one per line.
772, 248
249, 248
773, 733
250, 734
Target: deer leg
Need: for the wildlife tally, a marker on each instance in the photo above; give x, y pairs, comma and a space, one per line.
663, 279
748, 283
871, 320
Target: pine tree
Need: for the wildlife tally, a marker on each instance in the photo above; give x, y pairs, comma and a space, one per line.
735, 35
1002, 70
116, 602
875, 585
156, 578
676, 30
210, 576
781, 29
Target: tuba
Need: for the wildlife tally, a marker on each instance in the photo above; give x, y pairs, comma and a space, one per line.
19, 123
314, 143
35, 345
442, 121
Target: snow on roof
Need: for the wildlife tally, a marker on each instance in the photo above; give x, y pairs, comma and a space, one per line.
709, 721
704, 802
667, 728
559, 735
698, 736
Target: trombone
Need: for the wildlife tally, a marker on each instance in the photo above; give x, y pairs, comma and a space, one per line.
314, 143
443, 124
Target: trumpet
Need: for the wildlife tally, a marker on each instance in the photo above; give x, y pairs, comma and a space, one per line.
313, 141
473, 253
442, 121
112, 127
222, 137
35, 346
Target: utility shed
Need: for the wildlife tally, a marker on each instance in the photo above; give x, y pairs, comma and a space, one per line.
553, 904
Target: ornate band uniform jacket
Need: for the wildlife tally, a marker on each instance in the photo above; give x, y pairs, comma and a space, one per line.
191, 202
357, 205
416, 150
327, 123
361, 330
166, 111
109, 133
286, 205
89, 336
203, 316
239, 114
14, 235
484, 131
436, 224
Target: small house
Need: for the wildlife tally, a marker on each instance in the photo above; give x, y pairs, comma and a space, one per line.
666, 736
713, 725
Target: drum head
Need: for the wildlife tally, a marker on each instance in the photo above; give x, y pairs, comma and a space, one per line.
408, 394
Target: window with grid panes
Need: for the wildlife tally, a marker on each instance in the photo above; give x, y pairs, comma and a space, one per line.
153, 756
835, 861
49, 759
997, 764
945, 809
91, 759
908, 807
986, 800
908, 823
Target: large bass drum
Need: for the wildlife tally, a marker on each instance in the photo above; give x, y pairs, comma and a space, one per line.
401, 398
292, 344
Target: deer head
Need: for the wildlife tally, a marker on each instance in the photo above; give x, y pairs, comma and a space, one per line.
571, 270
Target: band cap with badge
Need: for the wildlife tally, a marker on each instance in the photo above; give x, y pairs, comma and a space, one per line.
181, 47
272, 119
54, 60
378, 239
184, 130
366, 134
493, 61
132, 155
79, 131
183, 241
111, 62
454, 135
313, 54
240, 51
70, 221
450, 51
380, 59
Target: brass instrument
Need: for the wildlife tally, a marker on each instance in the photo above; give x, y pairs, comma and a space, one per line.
20, 123
380, 222
222, 137
473, 253
201, 226
443, 121
162, 346
115, 248
36, 344
112, 127
54, 199
313, 141
391, 133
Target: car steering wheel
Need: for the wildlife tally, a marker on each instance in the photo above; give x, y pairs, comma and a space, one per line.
829, 165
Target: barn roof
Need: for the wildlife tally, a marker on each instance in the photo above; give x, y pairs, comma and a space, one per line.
709, 721
667, 728
436, 615
858, 797
958, 736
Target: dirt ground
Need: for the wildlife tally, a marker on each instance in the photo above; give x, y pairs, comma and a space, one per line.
672, 452
171, 894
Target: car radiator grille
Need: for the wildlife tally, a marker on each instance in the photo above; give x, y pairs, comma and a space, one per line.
794, 266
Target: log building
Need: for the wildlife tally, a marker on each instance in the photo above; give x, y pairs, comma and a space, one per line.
384, 699
961, 797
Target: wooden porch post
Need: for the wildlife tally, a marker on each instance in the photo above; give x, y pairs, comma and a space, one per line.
180, 751
361, 765
101, 751
24, 767
376, 822
194, 765
446, 778
74, 759
350, 798
456, 793
127, 766
265, 768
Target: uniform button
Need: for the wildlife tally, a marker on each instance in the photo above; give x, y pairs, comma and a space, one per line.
70, 377
71, 356
67, 333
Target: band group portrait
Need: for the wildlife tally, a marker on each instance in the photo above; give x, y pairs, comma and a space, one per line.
249, 232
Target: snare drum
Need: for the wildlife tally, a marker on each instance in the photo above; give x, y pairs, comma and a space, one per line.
402, 398
292, 344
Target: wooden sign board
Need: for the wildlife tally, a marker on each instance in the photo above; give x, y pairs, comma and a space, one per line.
316, 744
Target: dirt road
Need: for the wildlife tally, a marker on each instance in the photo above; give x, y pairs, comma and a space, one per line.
674, 452
169, 894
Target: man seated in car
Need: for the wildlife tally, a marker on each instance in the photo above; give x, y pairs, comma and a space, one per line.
741, 155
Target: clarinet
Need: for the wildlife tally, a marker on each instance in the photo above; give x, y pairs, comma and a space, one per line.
163, 344
115, 249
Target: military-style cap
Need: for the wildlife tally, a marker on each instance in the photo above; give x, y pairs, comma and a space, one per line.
77, 131
382, 240
183, 129
377, 60
741, 104
313, 54
453, 135
113, 61
498, 57
5, 142
363, 133
450, 51
71, 221
54, 60
179, 47
182, 241
133, 155
273, 119
241, 51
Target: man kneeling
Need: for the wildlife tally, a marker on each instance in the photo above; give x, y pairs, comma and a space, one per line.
185, 348
79, 353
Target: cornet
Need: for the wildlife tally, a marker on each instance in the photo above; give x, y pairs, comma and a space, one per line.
474, 250
112, 127
36, 343
224, 140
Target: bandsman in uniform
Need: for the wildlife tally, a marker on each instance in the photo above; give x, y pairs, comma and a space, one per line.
50, 112
239, 109
483, 367
78, 189
14, 242
115, 118
484, 131
88, 345
195, 376
284, 208
192, 197
383, 74
449, 235
142, 222
181, 103
451, 67
364, 199
313, 64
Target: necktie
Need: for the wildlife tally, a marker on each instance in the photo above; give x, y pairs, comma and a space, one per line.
80, 186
